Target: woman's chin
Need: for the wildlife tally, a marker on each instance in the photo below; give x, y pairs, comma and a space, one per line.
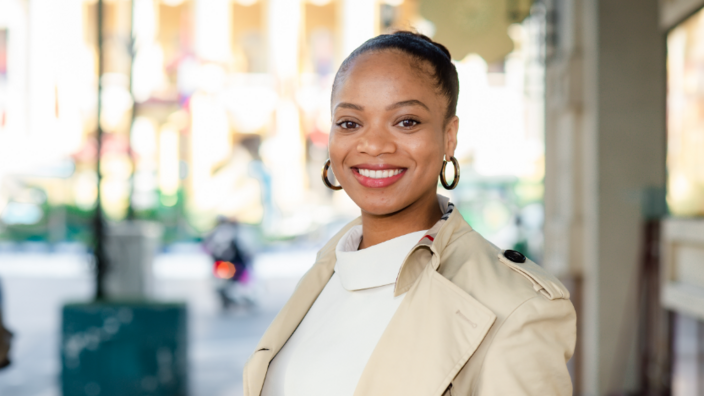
384, 201
381, 208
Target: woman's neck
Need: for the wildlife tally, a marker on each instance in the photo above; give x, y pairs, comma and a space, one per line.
420, 215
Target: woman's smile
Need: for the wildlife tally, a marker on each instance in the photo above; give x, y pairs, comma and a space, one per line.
378, 175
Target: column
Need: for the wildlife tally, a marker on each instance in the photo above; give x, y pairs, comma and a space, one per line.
284, 151
14, 17
212, 30
605, 145
359, 21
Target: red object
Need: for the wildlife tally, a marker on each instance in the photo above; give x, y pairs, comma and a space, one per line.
319, 139
224, 269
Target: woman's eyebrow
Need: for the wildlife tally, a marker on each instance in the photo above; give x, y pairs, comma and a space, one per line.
352, 106
412, 102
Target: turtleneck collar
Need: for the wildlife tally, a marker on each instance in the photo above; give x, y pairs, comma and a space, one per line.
374, 266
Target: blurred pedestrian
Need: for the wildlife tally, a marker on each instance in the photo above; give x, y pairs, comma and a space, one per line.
408, 299
231, 264
5, 337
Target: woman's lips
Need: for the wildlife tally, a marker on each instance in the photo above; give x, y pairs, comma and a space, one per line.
378, 178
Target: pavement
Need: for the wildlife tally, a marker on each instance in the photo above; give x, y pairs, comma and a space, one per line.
36, 285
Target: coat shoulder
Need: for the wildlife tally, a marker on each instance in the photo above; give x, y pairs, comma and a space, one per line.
535, 321
504, 278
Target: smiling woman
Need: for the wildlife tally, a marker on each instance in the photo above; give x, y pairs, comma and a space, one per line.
408, 299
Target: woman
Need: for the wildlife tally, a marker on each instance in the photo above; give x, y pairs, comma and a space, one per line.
408, 299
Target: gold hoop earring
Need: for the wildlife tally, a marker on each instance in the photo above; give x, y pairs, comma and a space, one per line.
456, 180
325, 177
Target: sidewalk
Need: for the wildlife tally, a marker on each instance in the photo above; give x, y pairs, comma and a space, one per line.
37, 284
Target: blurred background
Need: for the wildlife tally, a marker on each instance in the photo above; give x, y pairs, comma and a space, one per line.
168, 152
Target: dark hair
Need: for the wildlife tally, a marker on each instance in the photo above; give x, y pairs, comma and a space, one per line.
421, 48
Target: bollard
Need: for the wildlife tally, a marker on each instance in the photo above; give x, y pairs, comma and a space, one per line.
130, 249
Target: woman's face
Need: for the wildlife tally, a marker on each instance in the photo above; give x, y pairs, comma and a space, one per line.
389, 132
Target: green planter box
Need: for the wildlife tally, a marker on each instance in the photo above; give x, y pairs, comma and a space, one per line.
124, 349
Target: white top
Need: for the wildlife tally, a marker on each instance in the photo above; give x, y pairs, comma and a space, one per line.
330, 348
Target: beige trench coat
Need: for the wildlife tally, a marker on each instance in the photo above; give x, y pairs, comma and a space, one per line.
472, 323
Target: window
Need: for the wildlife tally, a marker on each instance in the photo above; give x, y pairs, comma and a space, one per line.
685, 117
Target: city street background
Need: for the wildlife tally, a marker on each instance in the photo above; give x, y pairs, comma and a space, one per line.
136, 136
36, 284
174, 128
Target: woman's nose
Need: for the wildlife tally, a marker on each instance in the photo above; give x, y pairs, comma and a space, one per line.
376, 142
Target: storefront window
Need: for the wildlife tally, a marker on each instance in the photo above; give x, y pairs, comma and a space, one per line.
685, 118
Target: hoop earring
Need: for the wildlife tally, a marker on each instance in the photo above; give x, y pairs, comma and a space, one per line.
325, 177
456, 180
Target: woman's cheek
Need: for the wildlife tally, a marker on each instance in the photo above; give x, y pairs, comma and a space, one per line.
337, 155
428, 157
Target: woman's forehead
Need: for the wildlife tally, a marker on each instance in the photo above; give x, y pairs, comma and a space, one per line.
390, 61
389, 73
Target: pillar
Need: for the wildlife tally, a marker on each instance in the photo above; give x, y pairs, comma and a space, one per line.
284, 150
212, 30
605, 146
14, 18
359, 20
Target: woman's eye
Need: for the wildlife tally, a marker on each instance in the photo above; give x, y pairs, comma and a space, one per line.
408, 123
348, 125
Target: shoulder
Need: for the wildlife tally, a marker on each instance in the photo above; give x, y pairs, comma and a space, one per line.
500, 279
534, 332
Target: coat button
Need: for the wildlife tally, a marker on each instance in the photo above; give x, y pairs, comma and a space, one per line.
515, 256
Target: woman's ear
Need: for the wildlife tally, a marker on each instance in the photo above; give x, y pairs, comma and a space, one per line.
451, 128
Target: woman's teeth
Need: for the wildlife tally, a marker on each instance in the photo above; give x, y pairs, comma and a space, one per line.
379, 174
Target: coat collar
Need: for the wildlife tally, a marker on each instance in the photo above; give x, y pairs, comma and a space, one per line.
373, 266
434, 242
436, 320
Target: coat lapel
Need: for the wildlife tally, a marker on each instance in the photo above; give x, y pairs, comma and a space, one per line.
291, 315
435, 331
